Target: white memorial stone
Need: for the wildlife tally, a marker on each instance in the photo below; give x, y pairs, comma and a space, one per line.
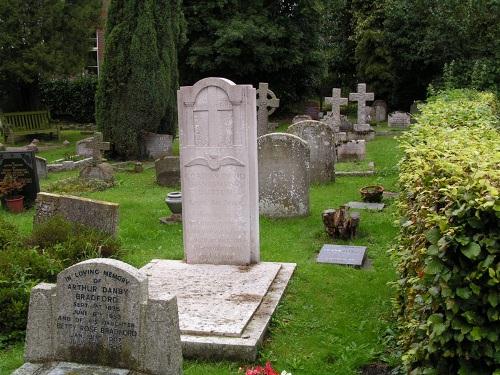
218, 151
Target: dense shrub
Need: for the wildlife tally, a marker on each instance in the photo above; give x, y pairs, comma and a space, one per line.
52, 247
448, 251
72, 99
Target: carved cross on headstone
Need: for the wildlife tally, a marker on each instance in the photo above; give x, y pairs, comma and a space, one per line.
265, 99
97, 145
336, 101
361, 97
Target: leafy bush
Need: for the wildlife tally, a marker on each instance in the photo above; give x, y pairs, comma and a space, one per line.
71, 98
52, 247
76, 186
8, 234
448, 250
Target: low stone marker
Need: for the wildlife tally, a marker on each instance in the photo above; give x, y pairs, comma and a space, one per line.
399, 120
99, 215
366, 206
168, 171
342, 254
100, 314
353, 150
84, 147
321, 141
283, 175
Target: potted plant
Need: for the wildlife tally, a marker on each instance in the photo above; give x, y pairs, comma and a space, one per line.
10, 189
372, 193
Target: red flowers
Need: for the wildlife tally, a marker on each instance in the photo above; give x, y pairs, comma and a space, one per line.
259, 370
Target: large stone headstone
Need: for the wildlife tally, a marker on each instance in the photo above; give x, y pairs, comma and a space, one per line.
158, 145
400, 120
267, 104
21, 166
380, 108
361, 96
99, 215
218, 137
99, 313
321, 141
168, 171
283, 175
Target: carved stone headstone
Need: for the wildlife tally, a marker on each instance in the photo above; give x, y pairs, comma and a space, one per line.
300, 118
352, 150
380, 107
399, 120
21, 166
283, 175
267, 104
41, 167
99, 313
218, 137
98, 170
99, 215
336, 101
157, 145
84, 147
361, 96
168, 171
321, 141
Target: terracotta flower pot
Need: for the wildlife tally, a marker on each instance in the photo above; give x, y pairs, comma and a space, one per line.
372, 193
15, 204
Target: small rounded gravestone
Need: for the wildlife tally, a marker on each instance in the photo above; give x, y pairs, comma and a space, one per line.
66, 142
103, 172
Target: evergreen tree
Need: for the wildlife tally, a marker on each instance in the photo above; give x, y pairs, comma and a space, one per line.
139, 77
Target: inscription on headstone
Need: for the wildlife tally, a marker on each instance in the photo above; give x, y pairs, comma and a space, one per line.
218, 137
399, 120
21, 166
342, 254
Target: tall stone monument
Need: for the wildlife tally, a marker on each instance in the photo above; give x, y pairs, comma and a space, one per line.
218, 137
361, 97
336, 101
100, 314
267, 104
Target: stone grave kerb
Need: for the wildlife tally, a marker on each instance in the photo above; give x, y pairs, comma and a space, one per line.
267, 102
219, 182
99, 313
97, 145
361, 96
336, 101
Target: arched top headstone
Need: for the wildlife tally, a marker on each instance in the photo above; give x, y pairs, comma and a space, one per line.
300, 118
300, 127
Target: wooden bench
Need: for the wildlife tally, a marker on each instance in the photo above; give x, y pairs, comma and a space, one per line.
26, 123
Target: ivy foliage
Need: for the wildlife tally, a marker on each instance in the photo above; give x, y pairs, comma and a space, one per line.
448, 250
139, 77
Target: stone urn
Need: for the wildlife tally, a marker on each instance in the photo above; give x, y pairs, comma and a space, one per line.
174, 202
372, 194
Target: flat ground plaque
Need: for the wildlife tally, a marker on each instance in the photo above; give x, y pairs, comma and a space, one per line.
366, 206
342, 254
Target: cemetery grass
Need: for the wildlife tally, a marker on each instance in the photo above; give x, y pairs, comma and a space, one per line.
332, 319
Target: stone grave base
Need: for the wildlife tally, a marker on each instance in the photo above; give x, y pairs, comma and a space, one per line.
69, 368
224, 310
172, 219
366, 206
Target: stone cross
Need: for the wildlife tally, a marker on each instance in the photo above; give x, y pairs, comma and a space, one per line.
361, 97
97, 145
336, 101
265, 99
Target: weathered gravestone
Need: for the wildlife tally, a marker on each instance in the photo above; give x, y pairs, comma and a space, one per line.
41, 167
99, 215
218, 137
283, 175
99, 313
157, 145
352, 150
342, 254
333, 117
361, 96
321, 141
399, 120
21, 166
366, 206
380, 107
265, 99
84, 147
168, 171
98, 170
300, 118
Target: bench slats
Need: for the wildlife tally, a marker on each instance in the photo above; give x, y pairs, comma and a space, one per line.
23, 123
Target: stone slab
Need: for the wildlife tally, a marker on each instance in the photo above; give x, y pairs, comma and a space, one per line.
227, 291
366, 206
342, 254
68, 368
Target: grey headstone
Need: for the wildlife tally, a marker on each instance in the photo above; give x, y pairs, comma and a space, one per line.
158, 145
283, 175
321, 141
41, 167
361, 96
352, 150
168, 171
267, 104
342, 254
84, 147
380, 108
102, 171
99, 313
399, 120
300, 118
366, 206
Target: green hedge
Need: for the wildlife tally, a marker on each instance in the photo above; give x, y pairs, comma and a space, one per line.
448, 250
71, 99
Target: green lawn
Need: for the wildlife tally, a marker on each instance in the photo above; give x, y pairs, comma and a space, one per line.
332, 319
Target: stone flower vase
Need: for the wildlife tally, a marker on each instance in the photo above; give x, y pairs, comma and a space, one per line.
372, 193
174, 202
15, 204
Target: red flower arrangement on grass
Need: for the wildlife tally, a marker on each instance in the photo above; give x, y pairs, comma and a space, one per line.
266, 370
